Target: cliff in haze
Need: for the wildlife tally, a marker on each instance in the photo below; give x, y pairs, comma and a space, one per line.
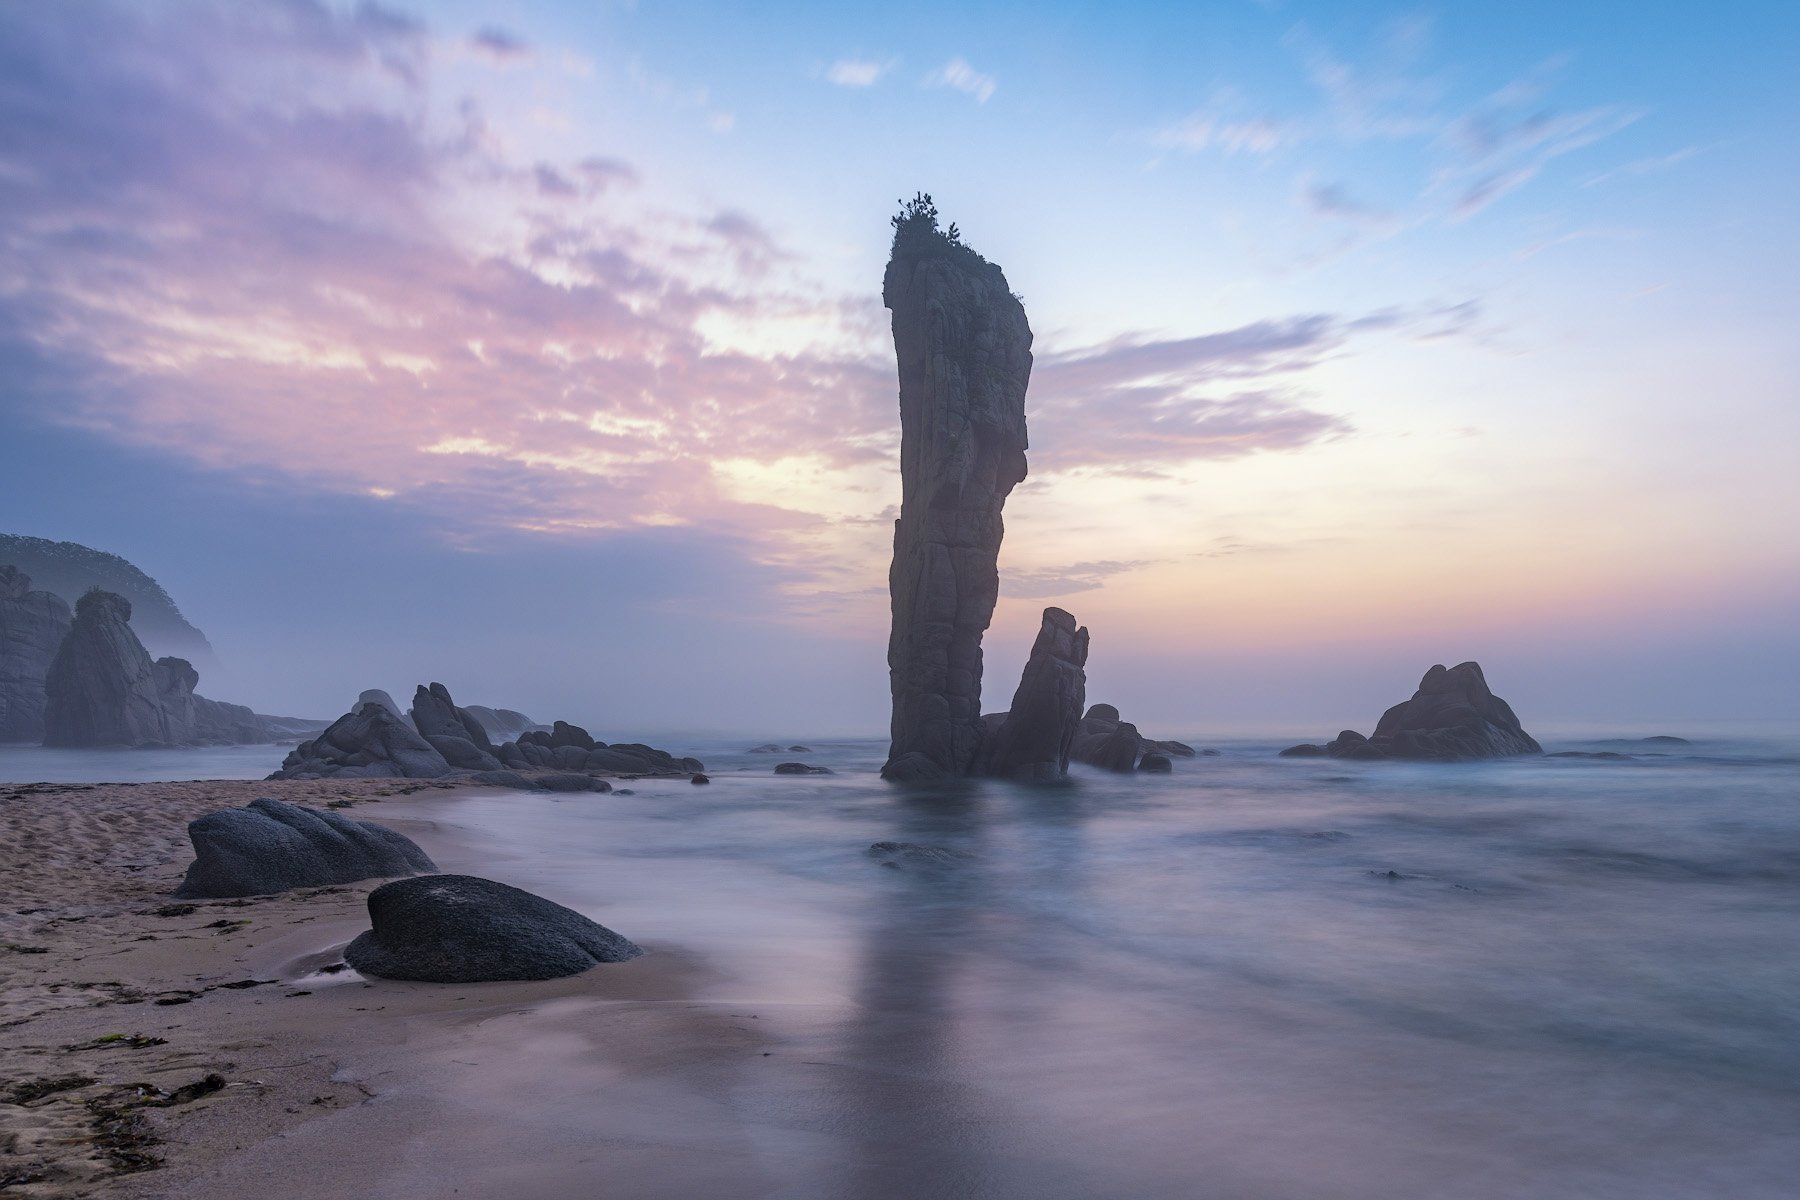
964, 351
70, 570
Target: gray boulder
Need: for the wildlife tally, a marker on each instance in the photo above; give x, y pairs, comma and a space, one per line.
500, 722
461, 929
370, 743
101, 689
800, 768
1156, 764
571, 748
434, 714
964, 352
1032, 741
1453, 717
270, 846
1107, 742
32, 627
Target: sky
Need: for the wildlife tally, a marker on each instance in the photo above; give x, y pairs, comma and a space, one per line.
537, 347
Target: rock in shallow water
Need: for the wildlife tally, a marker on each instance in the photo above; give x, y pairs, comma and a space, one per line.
463, 929
1452, 717
1032, 740
800, 768
271, 846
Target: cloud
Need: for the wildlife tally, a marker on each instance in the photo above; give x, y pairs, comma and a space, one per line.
1047, 582
1334, 200
857, 72
499, 45
959, 75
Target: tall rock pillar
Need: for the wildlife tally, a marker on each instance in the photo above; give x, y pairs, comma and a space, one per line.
964, 351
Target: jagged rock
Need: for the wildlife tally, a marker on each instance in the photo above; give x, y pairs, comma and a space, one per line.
369, 743
377, 696
461, 929
32, 627
1032, 740
101, 688
190, 719
271, 846
964, 352
434, 714
1452, 717
800, 768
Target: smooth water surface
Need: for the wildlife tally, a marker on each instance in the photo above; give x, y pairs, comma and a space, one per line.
1259, 977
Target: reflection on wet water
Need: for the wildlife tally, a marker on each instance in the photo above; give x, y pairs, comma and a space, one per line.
1258, 977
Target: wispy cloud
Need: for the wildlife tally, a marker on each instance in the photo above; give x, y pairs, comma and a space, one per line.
1046, 582
958, 75
858, 72
499, 45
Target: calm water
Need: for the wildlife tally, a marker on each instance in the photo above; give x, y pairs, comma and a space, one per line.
1259, 977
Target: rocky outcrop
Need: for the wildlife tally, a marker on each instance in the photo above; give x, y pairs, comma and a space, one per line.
101, 689
442, 739
461, 929
571, 748
370, 743
1032, 740
1106, 741
270, 846
1451, 718
32, 627
964, 352
190, 719
455, 734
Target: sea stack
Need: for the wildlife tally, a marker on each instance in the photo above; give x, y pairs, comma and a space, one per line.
1453, 717
964, 351
1031, 740
102, 688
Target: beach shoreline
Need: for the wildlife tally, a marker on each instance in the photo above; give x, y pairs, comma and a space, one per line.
155, 1047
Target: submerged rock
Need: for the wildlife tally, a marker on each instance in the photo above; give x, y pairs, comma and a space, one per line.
1032, 740
462, 929
800, 768
271, 846
1452, 717
33, 625
964, 351
919, 856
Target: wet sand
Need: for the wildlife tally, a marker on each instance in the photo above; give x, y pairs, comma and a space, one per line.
151, 1047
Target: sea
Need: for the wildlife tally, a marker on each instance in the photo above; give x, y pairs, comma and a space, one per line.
1256, 977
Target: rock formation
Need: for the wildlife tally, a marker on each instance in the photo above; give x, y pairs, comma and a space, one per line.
370, 743
270, 846
455, 734
442, 739
502, 723
101, 689
190, 719
461, 929
964, 352
32, 627
1452, 717
1032, 740
377, 696
1104, 740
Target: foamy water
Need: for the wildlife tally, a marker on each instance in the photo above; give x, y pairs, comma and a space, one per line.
1258, 977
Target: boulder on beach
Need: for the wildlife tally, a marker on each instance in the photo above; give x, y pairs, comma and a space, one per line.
462, 929
32, 627
271, 846
370, 743
1033, 739
1453, 717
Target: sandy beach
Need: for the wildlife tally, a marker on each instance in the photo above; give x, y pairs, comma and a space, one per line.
155, 1047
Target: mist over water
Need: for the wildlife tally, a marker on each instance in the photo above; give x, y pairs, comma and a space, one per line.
1259, 977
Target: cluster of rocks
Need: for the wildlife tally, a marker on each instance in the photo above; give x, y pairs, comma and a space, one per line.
439, 739
84, 679
1452, 717
964, 351
425, 926
1034, 739
1105, 740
